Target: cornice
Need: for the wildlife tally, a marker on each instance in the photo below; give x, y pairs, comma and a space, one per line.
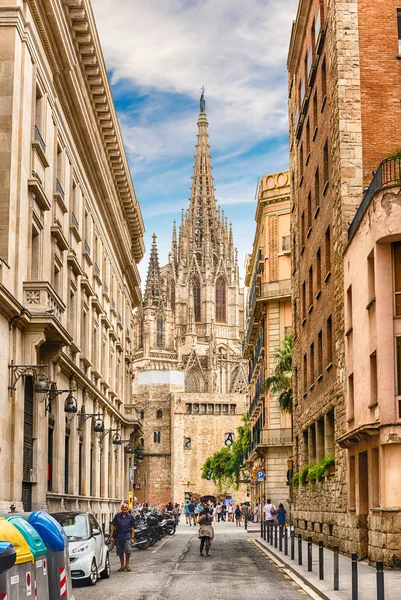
297, 35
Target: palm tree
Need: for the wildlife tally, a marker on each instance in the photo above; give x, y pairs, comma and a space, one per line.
281, 381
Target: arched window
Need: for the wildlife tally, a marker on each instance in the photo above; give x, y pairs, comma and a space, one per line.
197, 299
156, 437
220, 300
192, 382
159, 414
142, 442
159, 333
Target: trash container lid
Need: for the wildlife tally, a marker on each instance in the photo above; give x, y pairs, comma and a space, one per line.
9, 533
49, 530
8, 556
34, 540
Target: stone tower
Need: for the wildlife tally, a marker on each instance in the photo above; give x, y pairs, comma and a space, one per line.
188, 334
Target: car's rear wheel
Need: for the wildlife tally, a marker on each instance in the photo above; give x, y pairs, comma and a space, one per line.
92, 579
105, 574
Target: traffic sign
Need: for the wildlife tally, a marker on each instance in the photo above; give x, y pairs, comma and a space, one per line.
260, 475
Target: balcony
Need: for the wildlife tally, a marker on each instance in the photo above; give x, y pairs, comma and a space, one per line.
276, 290
59, 196
74, 227
41, 297
39, 146
269, 438
87, 252
388, 173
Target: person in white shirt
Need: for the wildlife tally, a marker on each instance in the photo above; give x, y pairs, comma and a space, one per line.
269, 510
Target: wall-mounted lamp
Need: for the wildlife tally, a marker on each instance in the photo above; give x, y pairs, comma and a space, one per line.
98, 426
70, 403
106, 432
41, 380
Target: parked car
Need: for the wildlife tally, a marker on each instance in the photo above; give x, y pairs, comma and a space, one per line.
89, 556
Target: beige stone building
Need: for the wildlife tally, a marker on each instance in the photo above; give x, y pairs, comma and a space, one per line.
345, 117
268, 277
190, 376
71, 235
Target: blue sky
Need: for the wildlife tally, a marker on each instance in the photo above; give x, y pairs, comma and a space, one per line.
158, 54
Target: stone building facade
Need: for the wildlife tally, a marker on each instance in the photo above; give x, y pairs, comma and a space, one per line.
71, 235
190, 375
343, 121
268, 277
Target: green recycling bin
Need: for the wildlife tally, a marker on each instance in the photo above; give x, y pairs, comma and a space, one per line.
38, 549
18, 582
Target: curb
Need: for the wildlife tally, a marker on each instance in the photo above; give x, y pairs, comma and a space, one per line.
289, 566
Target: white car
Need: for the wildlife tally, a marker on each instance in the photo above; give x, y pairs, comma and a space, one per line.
89, 556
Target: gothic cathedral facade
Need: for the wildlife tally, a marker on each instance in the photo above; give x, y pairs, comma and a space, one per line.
190, 378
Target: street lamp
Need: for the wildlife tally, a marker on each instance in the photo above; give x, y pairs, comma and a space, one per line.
70, 403
98, 426
41, 380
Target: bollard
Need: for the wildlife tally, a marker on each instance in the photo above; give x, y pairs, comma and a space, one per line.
271, 533
299, 548
280, 539
265, 531
285, 541
309, 553
354, 571
321, 561
380, 580
292, 534
261, 530
275, 536
336, 569
246, 524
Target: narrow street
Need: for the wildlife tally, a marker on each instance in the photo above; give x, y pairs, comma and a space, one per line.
173, 569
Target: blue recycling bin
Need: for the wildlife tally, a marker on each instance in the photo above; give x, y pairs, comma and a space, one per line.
58, 568
16, 583
39, 552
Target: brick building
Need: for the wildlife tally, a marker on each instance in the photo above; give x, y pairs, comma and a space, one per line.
190, 381
268, 277
343, 122
71, 235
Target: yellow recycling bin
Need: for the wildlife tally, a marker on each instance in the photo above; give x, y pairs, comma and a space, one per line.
17, 582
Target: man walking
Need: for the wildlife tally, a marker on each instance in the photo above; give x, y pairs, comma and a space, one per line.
270, 512
191, 509
218, 511
122, 534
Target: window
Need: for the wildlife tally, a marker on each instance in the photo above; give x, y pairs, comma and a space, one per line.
309, 214
39, 112
35, 255
397, 277
318, 271
159, 414
317, 25
197, 299
309, 60
320, 439
399, 29
310, 286
325, 166
324, 80
220, 300
312, 364
302, 230
305, 382
315, 115
319, 353
142, 414
317, 191
327, 244
371, 277
312, 444
304, 300
352, 481
398, 357
187, 443
301, 162
307, 135
156, 437
159, 333
329, 433
350, 397
348, 322
329, 341
142, 443
373, 379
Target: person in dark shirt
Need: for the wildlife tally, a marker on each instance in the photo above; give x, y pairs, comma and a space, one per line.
122, 534
191, 508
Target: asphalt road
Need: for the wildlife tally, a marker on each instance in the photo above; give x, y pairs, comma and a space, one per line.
173, 570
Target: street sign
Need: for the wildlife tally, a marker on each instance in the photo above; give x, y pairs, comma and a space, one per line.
260, 475
137, 486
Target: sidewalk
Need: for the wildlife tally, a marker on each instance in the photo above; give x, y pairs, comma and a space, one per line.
366, 574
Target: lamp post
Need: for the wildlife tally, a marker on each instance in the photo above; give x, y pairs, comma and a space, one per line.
98, 426
41, 380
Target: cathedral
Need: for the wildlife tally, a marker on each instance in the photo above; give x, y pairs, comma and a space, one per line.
190, 380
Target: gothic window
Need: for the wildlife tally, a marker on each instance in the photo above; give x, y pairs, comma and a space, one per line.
142, 443
159, 414
159, 333
187, 444
220, 300
197, 299
156, 437
229, 439
192, 382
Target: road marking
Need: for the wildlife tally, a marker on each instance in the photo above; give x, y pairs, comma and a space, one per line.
161, 546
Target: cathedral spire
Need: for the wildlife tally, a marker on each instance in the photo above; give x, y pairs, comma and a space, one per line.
152, 289
202, 207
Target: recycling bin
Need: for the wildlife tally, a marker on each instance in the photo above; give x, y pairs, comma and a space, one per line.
17, 583
8, 556
58, 560
38, 549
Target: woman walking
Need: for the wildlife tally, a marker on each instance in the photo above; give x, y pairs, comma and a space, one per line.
237, 514
206, 531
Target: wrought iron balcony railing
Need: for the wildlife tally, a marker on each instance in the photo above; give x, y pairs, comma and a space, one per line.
38, 138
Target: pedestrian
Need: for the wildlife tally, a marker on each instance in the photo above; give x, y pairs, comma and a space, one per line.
223, 512
256, 513
206, 531
270, 512
176, 511
237, 513
169, 506
186, 509
122, 534
230, 511
245, 513
191, 509
281, 517
218, 511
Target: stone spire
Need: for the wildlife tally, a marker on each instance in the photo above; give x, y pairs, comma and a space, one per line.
202, 207
152, 289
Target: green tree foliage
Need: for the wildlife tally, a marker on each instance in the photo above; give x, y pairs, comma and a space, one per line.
226, 466
280, 382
